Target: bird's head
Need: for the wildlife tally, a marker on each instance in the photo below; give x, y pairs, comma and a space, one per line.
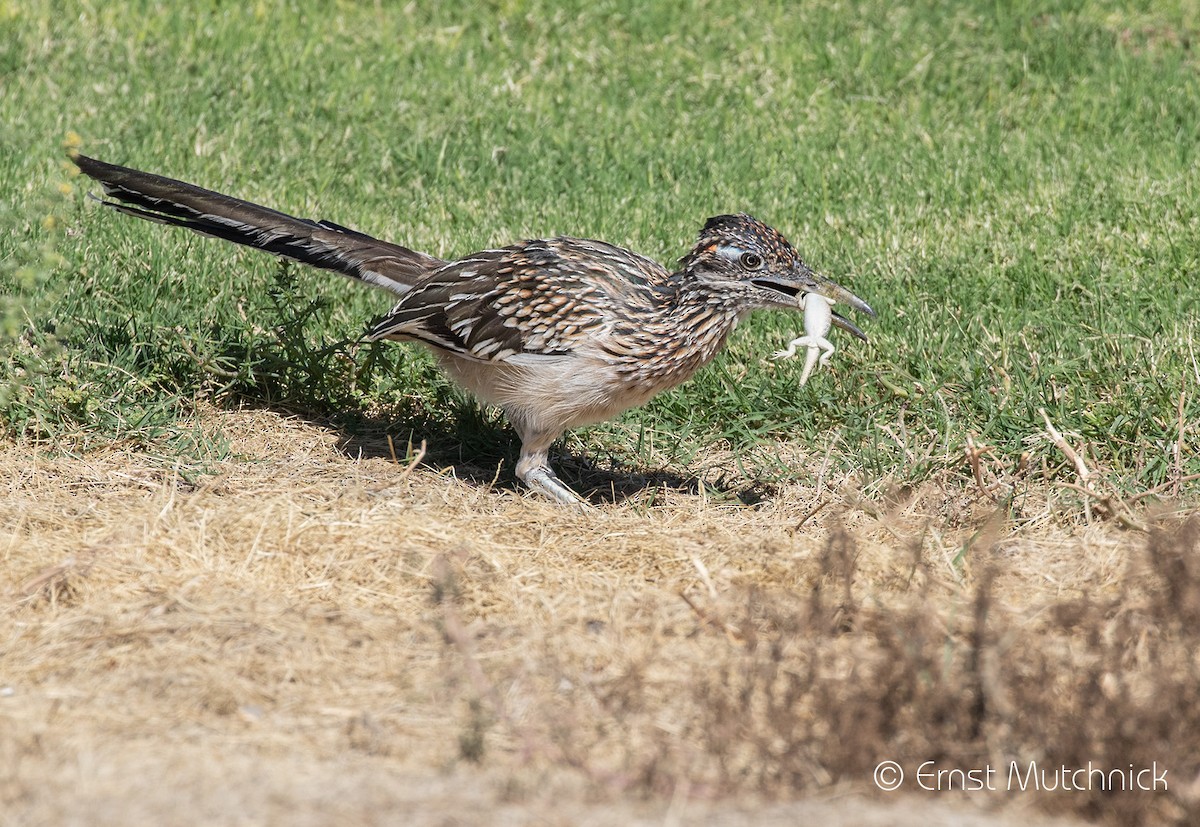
740, 256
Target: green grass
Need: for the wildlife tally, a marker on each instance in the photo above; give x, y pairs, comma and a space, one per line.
1014, 187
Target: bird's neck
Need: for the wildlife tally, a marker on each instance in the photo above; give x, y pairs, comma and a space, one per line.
684, 324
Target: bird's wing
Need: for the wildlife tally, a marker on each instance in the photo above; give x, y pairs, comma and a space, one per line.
537, 298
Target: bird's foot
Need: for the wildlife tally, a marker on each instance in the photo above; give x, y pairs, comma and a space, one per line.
544, 481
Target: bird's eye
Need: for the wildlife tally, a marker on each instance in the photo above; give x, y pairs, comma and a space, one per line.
751, 261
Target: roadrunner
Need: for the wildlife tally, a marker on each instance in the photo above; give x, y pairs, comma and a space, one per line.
557, 332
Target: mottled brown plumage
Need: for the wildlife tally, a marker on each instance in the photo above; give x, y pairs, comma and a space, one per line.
557, 332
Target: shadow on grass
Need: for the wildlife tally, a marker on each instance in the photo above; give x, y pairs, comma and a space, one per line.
483, 451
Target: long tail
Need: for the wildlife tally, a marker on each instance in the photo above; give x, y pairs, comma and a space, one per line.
318, 243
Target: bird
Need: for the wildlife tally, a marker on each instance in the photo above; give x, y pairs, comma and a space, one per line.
557, 332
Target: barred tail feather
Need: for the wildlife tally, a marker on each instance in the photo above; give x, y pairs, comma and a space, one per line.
317, 243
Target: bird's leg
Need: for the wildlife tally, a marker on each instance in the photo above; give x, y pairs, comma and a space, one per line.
818, 320
533, 469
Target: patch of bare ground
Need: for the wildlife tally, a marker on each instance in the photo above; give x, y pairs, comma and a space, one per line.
310, 638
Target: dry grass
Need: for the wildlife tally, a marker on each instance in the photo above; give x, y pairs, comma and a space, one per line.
311, 638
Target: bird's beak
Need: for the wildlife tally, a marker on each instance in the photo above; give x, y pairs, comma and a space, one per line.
845, 324
836, 293
805, 280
